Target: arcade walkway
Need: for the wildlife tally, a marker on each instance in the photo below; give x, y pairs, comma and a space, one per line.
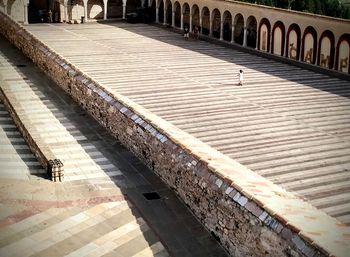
288, 124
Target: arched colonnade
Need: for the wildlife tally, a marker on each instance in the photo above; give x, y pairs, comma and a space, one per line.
236, 23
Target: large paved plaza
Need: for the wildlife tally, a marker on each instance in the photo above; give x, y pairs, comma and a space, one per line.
101, 209
288, 124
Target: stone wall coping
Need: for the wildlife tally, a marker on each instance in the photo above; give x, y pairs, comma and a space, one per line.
291, 217
312, 15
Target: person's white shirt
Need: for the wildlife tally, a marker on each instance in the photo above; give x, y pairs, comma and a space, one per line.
241, 76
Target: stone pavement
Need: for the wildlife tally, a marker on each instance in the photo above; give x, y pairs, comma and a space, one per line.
101, 209
288, 124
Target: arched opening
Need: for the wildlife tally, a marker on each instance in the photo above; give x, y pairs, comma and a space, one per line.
95, 9
343, 54
195, 16
186, 14
205, 21
152, 11
326, 50
132, 5
227, 26
216, 23
177, 9
169, 12
76, 10
264, 35
38, 10
115, 9
251, 31
293, 42
278, 38
161, 12
309, 48
239, 29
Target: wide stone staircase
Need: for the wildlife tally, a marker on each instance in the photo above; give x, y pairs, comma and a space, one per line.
105, 229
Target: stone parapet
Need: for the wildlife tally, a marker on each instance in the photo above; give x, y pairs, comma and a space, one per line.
32, 137
247, 213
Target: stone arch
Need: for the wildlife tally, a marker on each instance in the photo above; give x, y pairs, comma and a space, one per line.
251, 32
309, 45
326, 50
293, 42
161, 11
264, 35
195, 15
177, 10
186, 14
216, 23
132, 5
343, 54
278, 38
239, 29
205, 21
115, 9
227, 30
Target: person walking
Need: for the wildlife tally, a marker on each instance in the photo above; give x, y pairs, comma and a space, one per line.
50, 16
241, 78
186, 32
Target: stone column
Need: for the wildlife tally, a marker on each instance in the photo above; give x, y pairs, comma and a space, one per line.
124, 9
182, 21
165, 17
105, 3
25, 20
65, 10
222, 27
85, 11
269, 40
157, 14
232, 33
285, 51
245, 36
142, 3
191, 22
173, 19
210, 24
201, 24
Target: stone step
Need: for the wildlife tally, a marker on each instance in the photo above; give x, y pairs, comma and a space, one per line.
72, 226
34, 224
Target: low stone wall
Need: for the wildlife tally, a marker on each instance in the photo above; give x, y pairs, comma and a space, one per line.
41, 153
248, 214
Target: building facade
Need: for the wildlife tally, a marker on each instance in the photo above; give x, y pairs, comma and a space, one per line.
313, 39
